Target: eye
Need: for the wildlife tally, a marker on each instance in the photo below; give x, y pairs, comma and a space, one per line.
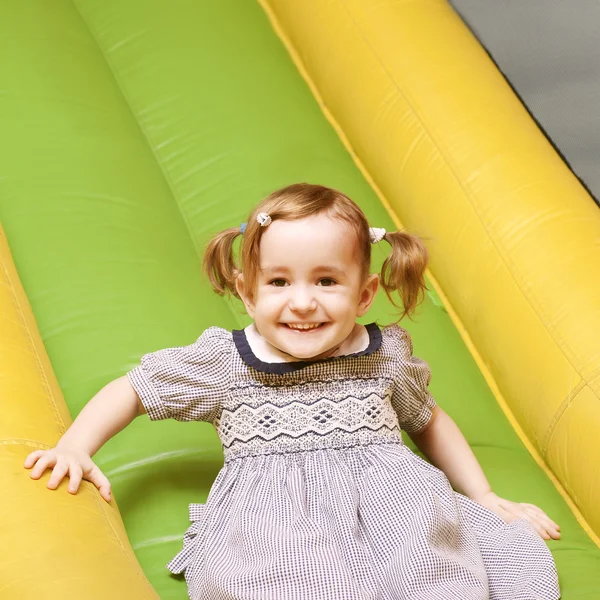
278, 282
327, 282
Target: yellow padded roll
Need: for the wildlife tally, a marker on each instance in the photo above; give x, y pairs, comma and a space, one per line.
77, 545
514, 237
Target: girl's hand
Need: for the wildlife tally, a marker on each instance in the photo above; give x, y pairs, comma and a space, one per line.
509, 511
77, 464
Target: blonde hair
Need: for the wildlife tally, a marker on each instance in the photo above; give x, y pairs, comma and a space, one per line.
402, 271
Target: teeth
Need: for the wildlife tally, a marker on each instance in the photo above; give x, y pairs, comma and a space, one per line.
303, 325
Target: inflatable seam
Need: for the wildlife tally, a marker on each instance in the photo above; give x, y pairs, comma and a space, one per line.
25, 442
594, 382
558, 415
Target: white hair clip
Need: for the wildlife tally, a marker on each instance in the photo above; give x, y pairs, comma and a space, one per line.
263, 219
376, 234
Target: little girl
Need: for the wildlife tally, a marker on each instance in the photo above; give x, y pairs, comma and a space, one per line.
318, 497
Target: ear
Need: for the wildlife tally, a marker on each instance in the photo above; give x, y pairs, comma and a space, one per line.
367, 294
247, 298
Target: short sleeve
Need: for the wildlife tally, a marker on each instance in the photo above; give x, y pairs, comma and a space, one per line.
186, 383
411, 399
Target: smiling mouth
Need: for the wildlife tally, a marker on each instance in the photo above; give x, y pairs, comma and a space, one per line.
303, 326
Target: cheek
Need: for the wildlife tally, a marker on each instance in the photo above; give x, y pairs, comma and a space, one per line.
344, 297
268, 303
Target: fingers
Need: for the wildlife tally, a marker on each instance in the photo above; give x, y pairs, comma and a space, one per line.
43, 462
537, 526
58, 474
97, 477
542, 515
77, 467
536, 517
545, 526
32, 458
75, 475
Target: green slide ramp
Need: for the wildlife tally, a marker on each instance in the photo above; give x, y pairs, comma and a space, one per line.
130, 133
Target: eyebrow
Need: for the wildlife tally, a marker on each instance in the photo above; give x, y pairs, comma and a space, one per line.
275, 269
329, 269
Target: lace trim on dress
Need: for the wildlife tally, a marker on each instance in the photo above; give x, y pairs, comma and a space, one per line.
296, 419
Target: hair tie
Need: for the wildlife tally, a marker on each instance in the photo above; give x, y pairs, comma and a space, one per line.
263, 219
376, 234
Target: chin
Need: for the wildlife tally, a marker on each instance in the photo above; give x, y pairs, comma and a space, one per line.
303, 353
300, 348
308, 355
313, 353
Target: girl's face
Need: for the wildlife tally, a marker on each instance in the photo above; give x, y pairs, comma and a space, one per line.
309, 290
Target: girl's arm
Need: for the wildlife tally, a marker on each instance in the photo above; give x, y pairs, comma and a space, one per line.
107, 413
442, 442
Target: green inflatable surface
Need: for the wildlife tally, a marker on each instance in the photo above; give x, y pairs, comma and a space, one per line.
131, 132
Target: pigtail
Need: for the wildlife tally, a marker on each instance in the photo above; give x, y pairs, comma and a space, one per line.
219, 262
403, 270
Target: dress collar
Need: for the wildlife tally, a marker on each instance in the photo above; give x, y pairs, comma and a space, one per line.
279, 368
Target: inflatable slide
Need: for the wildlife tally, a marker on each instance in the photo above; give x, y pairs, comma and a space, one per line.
131, 131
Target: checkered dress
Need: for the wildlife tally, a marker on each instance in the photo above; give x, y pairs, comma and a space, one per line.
318, 497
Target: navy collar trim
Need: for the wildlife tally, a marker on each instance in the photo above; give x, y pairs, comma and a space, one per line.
280, 368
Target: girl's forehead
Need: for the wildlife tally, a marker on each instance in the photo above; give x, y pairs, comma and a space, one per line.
322, 223
319, 239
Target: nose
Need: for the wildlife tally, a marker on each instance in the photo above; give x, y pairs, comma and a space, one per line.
302, 300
